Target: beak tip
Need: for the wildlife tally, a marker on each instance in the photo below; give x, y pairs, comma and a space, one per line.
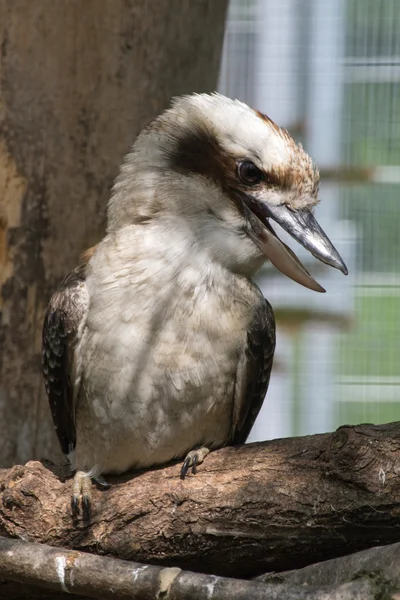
342, 267
315, 286
336, 261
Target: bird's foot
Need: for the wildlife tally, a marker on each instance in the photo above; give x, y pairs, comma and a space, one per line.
193, 458
82, 492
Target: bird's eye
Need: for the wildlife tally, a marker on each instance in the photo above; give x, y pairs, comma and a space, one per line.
249, 173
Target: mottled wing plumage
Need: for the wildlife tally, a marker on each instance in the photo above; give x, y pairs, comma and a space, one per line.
254, 371
63, 322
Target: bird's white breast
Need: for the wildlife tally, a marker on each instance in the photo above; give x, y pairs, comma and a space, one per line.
159, 353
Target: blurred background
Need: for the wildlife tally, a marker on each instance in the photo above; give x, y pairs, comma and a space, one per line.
329, 71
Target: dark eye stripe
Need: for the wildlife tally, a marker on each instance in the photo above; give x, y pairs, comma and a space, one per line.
199, 152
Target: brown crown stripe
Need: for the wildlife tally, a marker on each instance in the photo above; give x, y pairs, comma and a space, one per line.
270, 122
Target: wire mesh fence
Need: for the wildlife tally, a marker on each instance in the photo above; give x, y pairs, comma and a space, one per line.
330, 73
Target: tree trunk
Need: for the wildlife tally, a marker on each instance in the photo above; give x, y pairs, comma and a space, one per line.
263, 507
78, 82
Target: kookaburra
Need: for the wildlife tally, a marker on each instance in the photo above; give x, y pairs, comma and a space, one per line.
160, 346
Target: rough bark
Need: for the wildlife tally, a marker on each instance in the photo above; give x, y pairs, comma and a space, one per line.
99, 577
78, 81
380, 565
41, 568
273, 506
362, 589
30, 571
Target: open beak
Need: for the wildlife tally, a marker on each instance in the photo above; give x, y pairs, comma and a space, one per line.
303, 227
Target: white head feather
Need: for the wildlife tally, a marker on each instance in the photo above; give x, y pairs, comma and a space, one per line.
180, 163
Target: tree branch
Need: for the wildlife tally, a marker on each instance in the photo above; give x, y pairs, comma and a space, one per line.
67, 572
272, 506
41, 572
381, 566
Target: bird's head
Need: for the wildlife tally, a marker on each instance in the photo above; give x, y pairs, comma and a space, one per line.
225, 171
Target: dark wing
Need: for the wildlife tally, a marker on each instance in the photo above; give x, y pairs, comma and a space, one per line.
62, 326
254, 370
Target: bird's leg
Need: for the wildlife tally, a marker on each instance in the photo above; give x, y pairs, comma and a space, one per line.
81, 489
193, 458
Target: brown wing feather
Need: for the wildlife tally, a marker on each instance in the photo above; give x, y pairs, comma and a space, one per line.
66, 311
254, 371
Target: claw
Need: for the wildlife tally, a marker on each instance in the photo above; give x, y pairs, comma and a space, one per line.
193, 459
185, 467
194, 463
74, 505
86, 507
102, 482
